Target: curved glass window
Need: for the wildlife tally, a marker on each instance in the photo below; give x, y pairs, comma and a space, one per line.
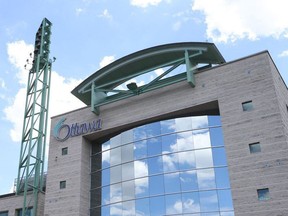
171, 167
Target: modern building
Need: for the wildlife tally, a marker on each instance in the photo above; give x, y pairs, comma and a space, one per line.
203, 137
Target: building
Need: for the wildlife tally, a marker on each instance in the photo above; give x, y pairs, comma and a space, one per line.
205, 137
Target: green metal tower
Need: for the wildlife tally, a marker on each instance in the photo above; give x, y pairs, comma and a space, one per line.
32, 154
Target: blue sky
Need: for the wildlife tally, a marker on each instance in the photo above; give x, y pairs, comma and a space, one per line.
87, 34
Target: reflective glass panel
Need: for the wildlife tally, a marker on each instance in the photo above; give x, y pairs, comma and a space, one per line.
127, 171
183, 124
105, 159
115, 141
199, 122
206, 179
201, 139
170, 162
128, 208
105, 210
140, 149
185, 141
225, 200
115, 193
127, 153
216, 136
154, 146
168, 126
128, 190
214, 120
115, 174
173, 204
155, 165
105, 177
142, 207
157, 206
127, 137
187, 160
169, 143
140, 168
222, 177
219, 157
116, 209
189, 180
156, 185
139, 133
208, 201
171, 167
191, 202
105, 195
172, 183
141, 187
204, 158
153, 129
115, 156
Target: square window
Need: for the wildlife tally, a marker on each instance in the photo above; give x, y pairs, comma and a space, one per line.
4, 213
263, 194
254, 148
65, 151
28, 212
62, 184
247, 106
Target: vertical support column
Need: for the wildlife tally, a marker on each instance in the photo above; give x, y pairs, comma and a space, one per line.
94, 109
189, 70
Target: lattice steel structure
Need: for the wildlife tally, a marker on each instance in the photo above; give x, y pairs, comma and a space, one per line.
32, 153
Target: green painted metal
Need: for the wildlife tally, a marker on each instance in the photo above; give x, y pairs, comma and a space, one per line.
32, 153
96, 90
190, 67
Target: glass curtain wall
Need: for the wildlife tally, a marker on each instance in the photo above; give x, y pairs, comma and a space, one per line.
171, 167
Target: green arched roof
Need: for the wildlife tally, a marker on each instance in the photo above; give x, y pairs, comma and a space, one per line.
145, 61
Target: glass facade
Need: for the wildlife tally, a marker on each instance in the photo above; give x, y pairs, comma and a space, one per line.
171, 167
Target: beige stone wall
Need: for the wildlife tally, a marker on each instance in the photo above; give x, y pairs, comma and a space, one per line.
252, 78
14, 202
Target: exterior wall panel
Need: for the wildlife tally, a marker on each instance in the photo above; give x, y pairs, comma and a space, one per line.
231, 84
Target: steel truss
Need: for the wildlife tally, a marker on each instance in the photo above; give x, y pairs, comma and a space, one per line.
32, 154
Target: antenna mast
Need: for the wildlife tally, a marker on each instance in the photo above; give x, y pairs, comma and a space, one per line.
32, 153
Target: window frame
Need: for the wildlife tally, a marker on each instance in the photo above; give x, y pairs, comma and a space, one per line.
62, 184
247, 106
255, 150
64, 151
263, 194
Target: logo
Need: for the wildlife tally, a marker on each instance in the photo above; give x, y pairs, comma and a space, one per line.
62, 131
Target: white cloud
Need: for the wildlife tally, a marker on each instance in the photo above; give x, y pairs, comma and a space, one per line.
283, 54
78, 11
159, 71
106, 14
176, 208
232, 20
61, 100
176, 26
18, 53
2, 83
144, 3
106, 60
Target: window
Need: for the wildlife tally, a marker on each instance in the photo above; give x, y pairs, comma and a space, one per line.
4, 213
28, 212
247, 106
263, 194
62, 184
254, 148
65, 151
